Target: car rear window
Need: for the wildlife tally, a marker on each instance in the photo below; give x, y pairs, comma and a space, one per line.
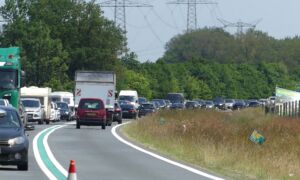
91, 104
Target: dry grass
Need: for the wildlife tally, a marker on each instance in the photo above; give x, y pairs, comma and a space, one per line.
220, 142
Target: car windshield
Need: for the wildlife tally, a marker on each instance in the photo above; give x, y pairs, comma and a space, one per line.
147, 106
126, 98
10, 120
62, 105
8, 79
229, 101
66, 100
91, 104
31, 103
127, 106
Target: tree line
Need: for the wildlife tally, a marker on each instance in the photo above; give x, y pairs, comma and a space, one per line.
58, 37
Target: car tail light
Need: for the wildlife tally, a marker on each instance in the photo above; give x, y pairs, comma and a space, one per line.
132, 111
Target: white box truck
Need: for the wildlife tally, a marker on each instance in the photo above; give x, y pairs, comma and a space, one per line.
43, 94
96, 84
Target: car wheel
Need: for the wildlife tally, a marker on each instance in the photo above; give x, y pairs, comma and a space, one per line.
120, 121
103, 126
77, 125
23, 166
41, 121
47, 122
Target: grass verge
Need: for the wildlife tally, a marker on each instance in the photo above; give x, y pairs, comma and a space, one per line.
219, 142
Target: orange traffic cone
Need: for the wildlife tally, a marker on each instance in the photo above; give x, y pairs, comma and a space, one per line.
72, 171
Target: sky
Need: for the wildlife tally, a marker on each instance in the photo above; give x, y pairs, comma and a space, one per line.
149, 29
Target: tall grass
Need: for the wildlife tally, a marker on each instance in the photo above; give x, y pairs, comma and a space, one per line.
220, 142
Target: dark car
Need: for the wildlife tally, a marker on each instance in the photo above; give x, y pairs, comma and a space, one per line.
254, 104
239, 104
191, 105
177, 106
65, 112
146, 108
117, 113
162, 103
13, 140
219, 103
129, 111
142, 100
91, 112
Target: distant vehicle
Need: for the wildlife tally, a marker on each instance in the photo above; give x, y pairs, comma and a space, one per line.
191, 105
162, 103
201, 103
14, 142
142, 100
168, 102
129, 111
219, 103
62, 96
129, 95
118, 113
209, 104
5, 102
34, 109
177, 106
175, 97
65, 111
254, 104
239, 104
229, 103
272, 99
97, 84
146, 108
55, 114
91, 112
43, 95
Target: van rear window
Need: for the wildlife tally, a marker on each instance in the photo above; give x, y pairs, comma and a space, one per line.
91, 104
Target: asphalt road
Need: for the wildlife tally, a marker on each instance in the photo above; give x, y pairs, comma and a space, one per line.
98, 155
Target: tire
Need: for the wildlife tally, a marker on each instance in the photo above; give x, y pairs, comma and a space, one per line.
41, 121
103, 126
120, 121
77, 125
23, 166
47, 122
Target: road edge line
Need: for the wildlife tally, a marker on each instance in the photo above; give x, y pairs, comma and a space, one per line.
193, 170
50, 154
38, 158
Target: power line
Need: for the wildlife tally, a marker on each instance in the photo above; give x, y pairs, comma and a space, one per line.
120, 10
239, 25
192, 11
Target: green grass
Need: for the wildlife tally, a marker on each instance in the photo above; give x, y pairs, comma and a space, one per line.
219, 141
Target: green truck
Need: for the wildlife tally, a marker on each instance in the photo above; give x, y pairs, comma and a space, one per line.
10, 75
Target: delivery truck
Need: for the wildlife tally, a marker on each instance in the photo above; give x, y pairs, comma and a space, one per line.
97, 84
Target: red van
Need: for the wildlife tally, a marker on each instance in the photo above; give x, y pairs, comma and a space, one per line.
91, 112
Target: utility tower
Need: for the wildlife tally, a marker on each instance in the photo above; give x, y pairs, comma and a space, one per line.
239, 25
120, 10
192, 11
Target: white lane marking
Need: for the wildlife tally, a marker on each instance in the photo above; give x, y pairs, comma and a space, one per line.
38, 158
113, 130
50, 154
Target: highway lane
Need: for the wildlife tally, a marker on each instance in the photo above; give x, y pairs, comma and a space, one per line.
98, 155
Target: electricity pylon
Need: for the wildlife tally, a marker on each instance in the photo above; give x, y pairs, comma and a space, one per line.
239, 25
192, 11
120, 10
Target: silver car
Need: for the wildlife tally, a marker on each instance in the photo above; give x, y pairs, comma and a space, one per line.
34, 109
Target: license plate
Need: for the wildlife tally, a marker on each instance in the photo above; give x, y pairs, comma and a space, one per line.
90, 114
